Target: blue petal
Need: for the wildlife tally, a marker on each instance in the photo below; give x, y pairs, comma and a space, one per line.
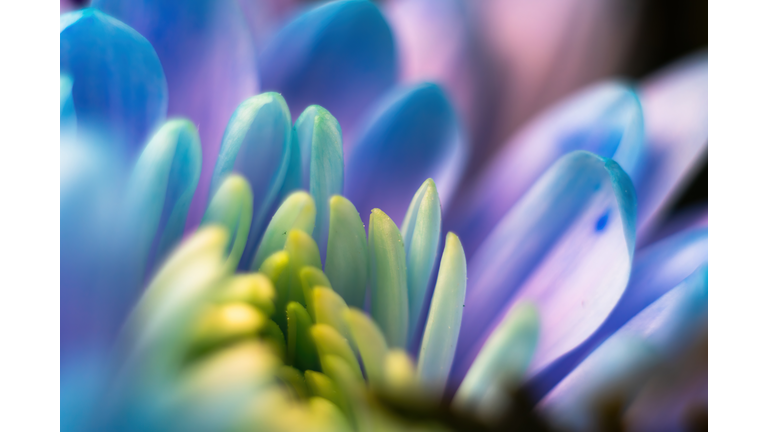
567, 246
119, 87
68, 118
340, 55
412, 135
256, 144
208, 56
655, 271
605, 119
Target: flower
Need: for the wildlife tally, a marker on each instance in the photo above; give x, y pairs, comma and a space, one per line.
215, 265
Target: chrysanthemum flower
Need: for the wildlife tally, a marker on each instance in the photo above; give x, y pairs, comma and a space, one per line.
315, 256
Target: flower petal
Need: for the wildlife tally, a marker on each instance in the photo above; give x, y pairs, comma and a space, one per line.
389, 287
296, 212
413, 134
675, 108
312, 277
68, 118
302, 352
370, 342
421, 235
442, 330
346, 259
330, 343
340, 55
119, 88
256, 144
578, 218
605, 119
232, 207
329, 309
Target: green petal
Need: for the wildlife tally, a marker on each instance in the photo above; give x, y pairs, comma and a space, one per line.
320, 385
311, 277
276, 269
254, 289
296, 212
370, 342
222, 324
232, 208
350, 386
399, 372
275, 338
303, 252
302, 352
346, 259
389, 293
421, 235
442, 329
294, 380
503, 360
330, 343
329, 309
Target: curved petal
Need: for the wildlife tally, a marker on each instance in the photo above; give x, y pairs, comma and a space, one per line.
411, 135
551, 249
339, 55
655, 270
256, 144
296, 212
119, 88
675, 108
346, 262
605, 119
232, 208
207, 53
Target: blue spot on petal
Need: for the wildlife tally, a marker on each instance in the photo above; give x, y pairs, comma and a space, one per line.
603, 221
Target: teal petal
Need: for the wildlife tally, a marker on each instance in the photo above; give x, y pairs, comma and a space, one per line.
346, 259
296, 212
421, 235
256, 144
389, 288
232, 208
442, 330
68, 118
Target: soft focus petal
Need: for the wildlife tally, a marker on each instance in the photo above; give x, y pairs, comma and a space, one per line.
676, 121
232, 208
207, 53
655, 270
68, 118
370, 342
302, 352
567, 246
605, 119
256, 144
340, 55
412, 134
296, 212
694, 216
119, 88
346, 260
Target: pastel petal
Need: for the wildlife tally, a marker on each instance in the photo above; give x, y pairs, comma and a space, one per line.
253, 288
232, 207
276, 268
302, 352
208, 56
442, 330
329, 309
312, 277
370, 342
605, 119
340, 55
330, 343
691, 217
411, 134
68, 118
160, 192
119, 88
296, 212
421, 235
303, 252
256, 144
578, 217
675, 108
320, 385
389, 288
346, 260
655, 270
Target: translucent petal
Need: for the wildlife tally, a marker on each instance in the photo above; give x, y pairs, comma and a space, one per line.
330, 343
119, 89
302, 352
442, 330
675, 108
411, 134
232, 208
605, 119
551, 248
340, 55
389, 289
370, 342
208, 56
296, 212
346, 260
256, 144
223, 324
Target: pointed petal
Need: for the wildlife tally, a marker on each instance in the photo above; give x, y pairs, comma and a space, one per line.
119, 88
389, 289
329, 309
370, 342
256, 144
232, 208
296, 212
346, 260
442, 330
675, 107
208, 56
578, 217
605, 119
340, 55
656, 270
301, 350
330, 343
421, 235
412, 134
